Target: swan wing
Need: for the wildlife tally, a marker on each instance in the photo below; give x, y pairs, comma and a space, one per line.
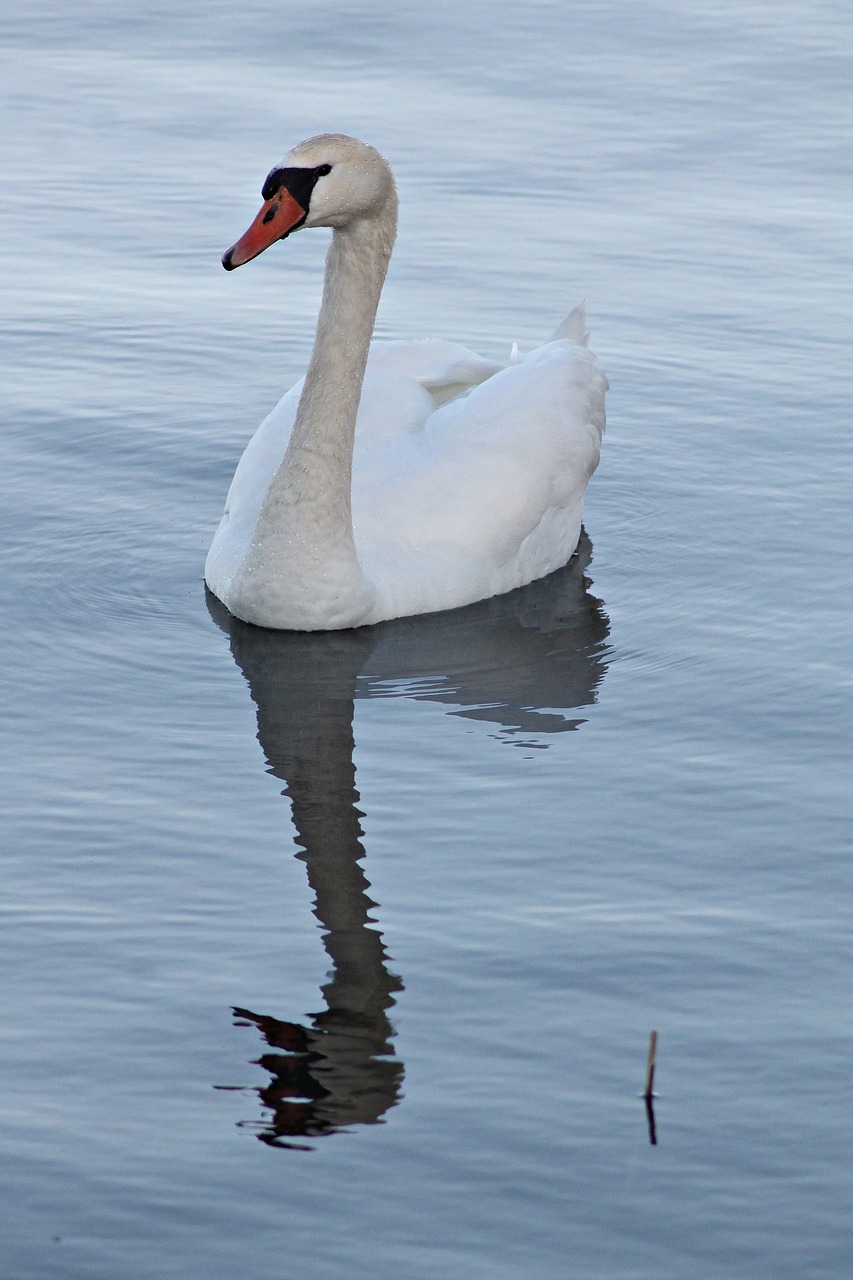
406, 381
433, 362
489, 494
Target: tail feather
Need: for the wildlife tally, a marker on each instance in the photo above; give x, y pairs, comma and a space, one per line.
573, 328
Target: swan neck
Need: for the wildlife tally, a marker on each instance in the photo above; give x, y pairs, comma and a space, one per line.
356, 265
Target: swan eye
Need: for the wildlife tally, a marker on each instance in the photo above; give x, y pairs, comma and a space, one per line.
322, 170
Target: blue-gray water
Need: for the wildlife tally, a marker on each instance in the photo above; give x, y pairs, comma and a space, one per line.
615, 802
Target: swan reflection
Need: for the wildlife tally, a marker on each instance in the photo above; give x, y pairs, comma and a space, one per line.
526, 663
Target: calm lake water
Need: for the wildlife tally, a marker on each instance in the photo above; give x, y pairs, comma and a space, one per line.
338, 956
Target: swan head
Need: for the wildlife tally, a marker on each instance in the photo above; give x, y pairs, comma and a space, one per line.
328, 181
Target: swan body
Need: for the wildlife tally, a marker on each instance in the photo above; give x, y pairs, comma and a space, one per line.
397, 478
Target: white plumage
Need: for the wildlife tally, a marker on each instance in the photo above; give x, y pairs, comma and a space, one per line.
451, 479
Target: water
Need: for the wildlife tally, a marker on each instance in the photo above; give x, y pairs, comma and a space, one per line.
395, 1022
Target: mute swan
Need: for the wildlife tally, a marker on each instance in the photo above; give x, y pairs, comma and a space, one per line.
465, 478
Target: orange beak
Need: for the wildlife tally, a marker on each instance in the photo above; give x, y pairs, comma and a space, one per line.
276, 219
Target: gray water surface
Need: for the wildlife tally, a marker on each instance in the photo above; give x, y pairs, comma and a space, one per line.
338, 955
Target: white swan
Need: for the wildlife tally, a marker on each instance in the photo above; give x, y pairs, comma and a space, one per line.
464, 479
